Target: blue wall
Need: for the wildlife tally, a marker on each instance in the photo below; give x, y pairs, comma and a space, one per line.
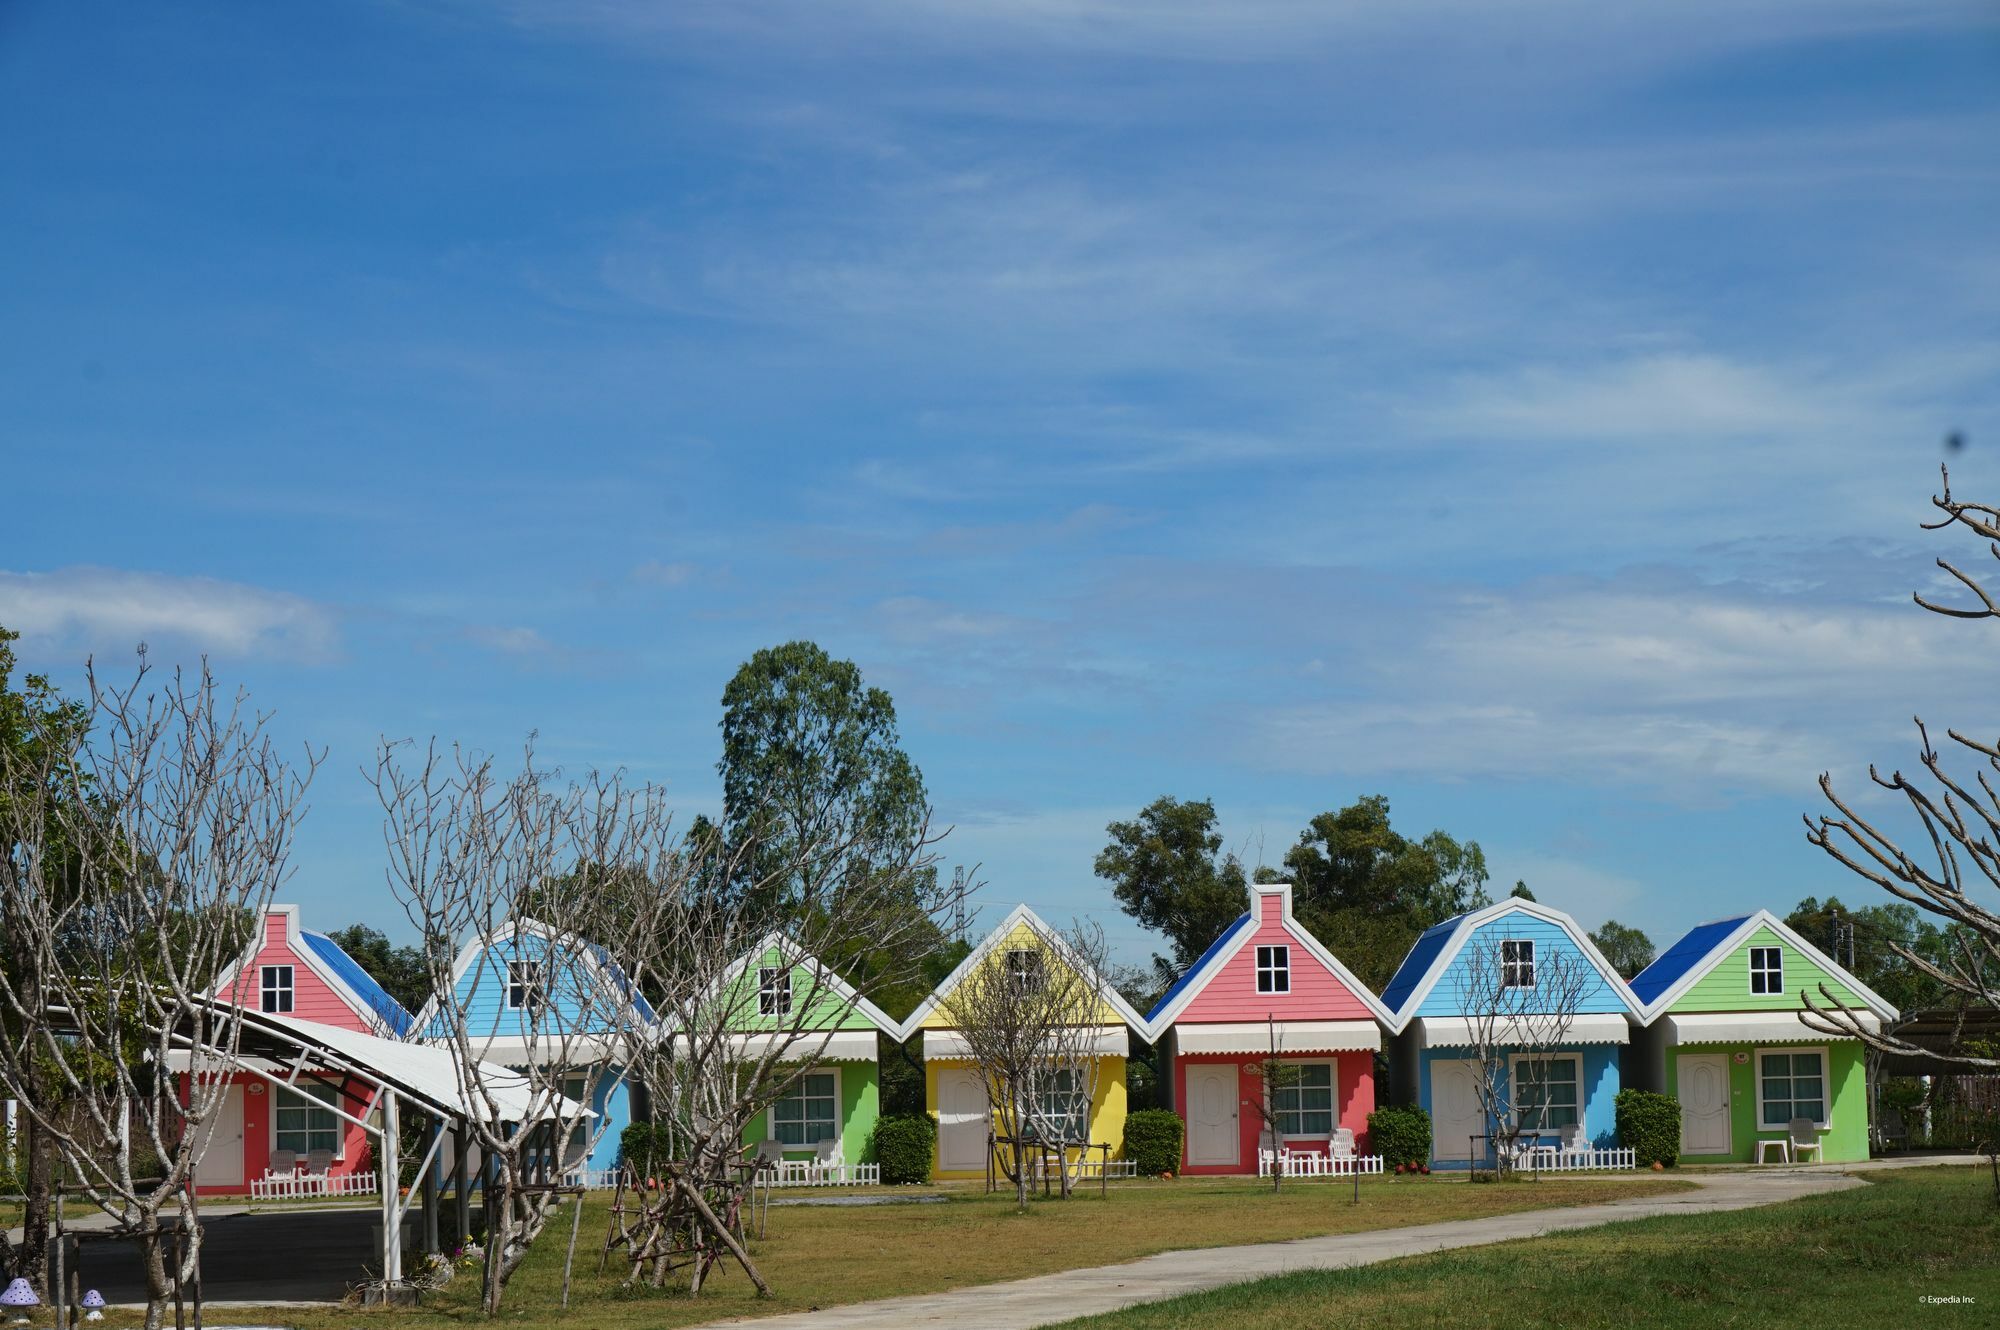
1447, 998
1598, 1091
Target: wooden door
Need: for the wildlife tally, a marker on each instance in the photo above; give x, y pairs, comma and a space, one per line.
1214, 1138
962, 1120
221, 1163
1704, 1096
1455, 1111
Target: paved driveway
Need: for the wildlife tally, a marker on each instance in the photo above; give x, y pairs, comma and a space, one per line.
305, 1255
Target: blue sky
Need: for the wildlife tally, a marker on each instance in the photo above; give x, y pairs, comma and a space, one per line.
1524, 412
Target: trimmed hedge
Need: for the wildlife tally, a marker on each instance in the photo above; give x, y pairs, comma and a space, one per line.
1651, 1125
903, 1144
645, 1146
1401, 1135
1153, 1141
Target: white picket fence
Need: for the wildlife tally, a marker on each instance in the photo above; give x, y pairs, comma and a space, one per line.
1091, 1169
1549, 1159
1312, 1164
815, 1173
304, 1186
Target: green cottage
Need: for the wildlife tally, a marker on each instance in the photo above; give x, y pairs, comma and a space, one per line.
821, 1132
1724, 1036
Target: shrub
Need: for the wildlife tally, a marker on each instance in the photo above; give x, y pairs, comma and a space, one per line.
645, 1146
1651, 1125
1401, 1134
1153, 1141
902, 1144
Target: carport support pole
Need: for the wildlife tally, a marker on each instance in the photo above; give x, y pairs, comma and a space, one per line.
461, 1178
430, 1184
392, 1210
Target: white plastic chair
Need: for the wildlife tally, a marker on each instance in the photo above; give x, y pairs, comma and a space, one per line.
1573, 1142
1272, 1153
1342, 1144
1804, 1136
284, 1163
827, 1160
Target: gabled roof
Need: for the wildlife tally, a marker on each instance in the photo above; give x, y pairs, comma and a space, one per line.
340, 972
1684, 955
796, 956
1706, 945
597, 960
378, 999
1224, 949
1020, 915
1440, 945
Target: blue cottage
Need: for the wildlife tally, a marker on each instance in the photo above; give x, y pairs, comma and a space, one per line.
1491, 976
532, 995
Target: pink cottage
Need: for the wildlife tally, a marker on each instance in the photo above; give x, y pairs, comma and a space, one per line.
1267, 979
300, 975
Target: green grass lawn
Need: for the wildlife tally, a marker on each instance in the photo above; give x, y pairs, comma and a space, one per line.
1864, 1257
820, 1256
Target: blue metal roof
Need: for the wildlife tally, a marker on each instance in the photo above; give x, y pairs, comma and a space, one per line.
1684, 955
1242, 922
363, 983
1418, 963
617, 974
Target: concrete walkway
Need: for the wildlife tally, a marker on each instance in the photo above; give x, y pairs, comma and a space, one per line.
1049, 1299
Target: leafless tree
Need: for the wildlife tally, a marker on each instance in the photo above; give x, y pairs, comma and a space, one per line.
1274, 1077
1032, 1014
143, 852
1955, 861
1519, 1001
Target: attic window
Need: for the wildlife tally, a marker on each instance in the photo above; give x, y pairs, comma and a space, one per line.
1517, 963
275, 989
1767, 970
524, 985
774, 990
1274, 969
1024, 970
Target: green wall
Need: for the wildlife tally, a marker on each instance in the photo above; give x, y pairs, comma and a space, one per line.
828, 1011
1847, 1105
860, 1105
1727, 986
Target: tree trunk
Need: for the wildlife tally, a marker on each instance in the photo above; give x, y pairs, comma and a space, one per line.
31, 1260
153, 1256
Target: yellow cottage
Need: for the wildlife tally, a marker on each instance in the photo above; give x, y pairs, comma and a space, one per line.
954, 1093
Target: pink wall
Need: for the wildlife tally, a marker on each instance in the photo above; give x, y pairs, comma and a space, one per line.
258, 1099
312, 998
1353, 1092
1231, 992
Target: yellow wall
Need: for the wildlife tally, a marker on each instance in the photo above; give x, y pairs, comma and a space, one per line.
1107, 1105
1019, 938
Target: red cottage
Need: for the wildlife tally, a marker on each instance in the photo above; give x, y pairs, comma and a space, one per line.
301, 975
1267, 979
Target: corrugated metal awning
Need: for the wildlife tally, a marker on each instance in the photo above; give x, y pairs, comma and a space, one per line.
1750, 1027
1458, 1031
1291, 1036
1112, 1042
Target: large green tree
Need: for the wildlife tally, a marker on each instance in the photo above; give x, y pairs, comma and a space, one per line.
1366, 890
1168, 870
1628, 949
402, 971
1871, 936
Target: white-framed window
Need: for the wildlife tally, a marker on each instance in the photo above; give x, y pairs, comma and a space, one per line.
1791, 1083
774, 990
274, 989
1303, 1104
1062, 1107
1026, 969
524, 985
810, 1113
1274, 969
1547, 1091
301, 1120
1767, 970
1517, 962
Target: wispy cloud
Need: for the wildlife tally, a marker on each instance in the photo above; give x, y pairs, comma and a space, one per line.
114, 608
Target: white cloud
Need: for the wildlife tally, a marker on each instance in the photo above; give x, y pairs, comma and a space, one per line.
514, 641
655, 573
115, 608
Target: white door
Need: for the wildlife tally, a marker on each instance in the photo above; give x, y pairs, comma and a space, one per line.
221, 1163
1704, 1095
1455, 1113
961, 1120
1213, 1137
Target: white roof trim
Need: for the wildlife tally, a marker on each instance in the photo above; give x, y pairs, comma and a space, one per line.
1294, 1037
1746, 1027
1457, 1031
1019, 915
1313, 946
1470, 923
1112, 1042
1765, 919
